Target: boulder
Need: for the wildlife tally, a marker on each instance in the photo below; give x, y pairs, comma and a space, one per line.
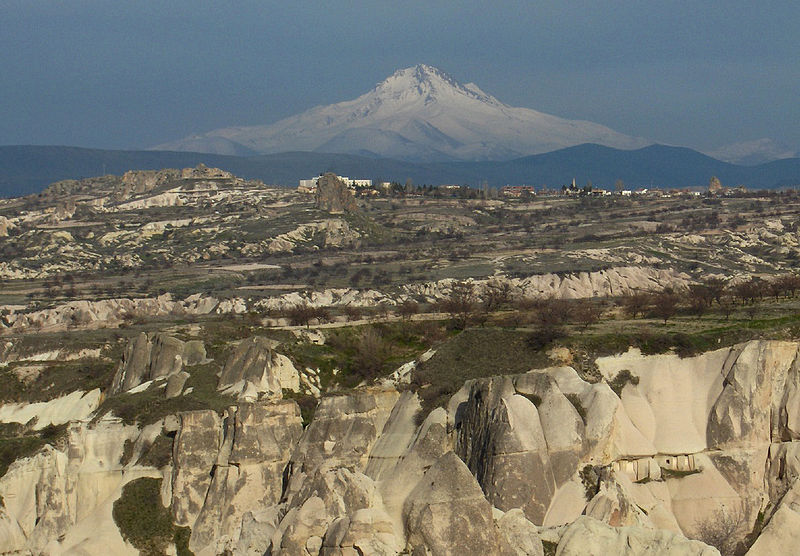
590, 537
175, 384
254, 371
447, 513
520, 534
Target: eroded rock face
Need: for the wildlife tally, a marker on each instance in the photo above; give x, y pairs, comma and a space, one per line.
225, 467
502, 441
194, 452
152, 358
447, 513
107, 312
248, 473
521, 535
344, 430
685, 442
61, 501
255, 371
590, 537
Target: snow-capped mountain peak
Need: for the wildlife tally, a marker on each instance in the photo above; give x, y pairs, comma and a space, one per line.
430, 83
419, 113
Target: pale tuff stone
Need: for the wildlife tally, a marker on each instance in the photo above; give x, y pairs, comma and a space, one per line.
193, 455
148, 359
500, 438
175, 384
344, 430
447, 513
254, 371
520, 534
590, 537
248, 471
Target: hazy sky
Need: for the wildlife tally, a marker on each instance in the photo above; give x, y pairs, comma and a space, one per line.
121, 74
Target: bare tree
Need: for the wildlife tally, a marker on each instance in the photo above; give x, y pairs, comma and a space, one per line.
371, 353
300, 315
665, 304
635, 303
407, 309
352, 312
723, 530
553, 311
461, 304
496, 294
726, 306
587, 313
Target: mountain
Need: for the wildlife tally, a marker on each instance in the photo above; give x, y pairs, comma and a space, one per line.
753, 152
29, 169
418, 114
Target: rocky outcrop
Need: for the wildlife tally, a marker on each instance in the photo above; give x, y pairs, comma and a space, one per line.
613, 281
447, 513
255, 371
248, 472
155, 358
333, 195
5, 226
332, 232
75, 406
689, 446
590, 537
107, 312
344, 430
61, 501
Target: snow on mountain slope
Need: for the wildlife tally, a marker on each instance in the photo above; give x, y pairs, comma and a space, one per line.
753, 152
418, 113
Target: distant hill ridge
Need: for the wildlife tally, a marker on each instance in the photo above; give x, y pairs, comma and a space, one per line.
29, 169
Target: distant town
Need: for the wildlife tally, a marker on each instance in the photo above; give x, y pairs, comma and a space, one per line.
368, 188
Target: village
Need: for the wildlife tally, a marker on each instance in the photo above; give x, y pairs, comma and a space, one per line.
370, 188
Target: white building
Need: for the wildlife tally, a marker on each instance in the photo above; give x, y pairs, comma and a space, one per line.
310, 186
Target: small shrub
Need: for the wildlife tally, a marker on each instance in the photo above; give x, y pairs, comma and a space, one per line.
544, 336
723, 530
623, 377
144, 522
590, 480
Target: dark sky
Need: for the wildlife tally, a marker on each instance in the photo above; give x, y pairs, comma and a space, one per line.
114, 74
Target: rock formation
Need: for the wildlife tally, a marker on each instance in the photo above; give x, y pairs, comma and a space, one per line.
154, 358
254, 371
694, 447
333, 195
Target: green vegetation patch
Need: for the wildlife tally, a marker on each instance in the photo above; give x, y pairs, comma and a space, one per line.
353, 354
145, 523
151, 405
17, 442
622, 378
474, 353
676, 473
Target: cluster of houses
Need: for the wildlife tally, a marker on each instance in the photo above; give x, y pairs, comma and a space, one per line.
365, 187
310, 185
